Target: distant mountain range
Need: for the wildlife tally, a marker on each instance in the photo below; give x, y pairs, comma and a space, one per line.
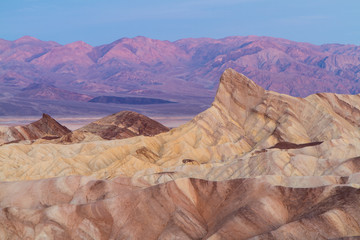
174, 70
45, 91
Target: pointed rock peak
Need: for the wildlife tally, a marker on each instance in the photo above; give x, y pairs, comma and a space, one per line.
232, 78
44, 126
236, 90
46, 116
49, 125
234, 84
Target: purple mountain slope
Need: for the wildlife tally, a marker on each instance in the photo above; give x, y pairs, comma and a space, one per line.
182, 69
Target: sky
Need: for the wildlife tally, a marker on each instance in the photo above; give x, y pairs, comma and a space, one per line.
103, 21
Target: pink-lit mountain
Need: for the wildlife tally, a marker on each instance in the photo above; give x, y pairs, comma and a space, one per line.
185, 68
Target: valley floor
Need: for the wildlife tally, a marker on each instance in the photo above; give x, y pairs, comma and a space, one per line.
74, 123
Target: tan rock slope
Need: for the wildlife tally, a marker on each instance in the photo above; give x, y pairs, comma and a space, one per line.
84, 208
46, 127
255, 165
242, 124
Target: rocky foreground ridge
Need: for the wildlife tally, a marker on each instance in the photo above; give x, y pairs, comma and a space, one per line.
255, 165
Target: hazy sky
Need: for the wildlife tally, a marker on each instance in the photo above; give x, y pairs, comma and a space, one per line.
103, 21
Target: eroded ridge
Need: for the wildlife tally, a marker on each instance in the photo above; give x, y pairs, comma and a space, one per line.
256, 164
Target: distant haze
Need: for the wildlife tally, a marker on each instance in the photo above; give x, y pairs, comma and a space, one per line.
38, 76
99, 22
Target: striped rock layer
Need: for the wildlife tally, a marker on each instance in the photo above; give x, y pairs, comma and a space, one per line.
255, 165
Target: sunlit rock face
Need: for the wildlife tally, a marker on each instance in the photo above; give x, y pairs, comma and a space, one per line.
256, 164
245, 124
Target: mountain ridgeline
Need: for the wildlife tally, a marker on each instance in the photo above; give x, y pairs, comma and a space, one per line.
187, 67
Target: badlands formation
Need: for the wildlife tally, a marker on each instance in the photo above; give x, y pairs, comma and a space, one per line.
46, 128
124, 124
255, 165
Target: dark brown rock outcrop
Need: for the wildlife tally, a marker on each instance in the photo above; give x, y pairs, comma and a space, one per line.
46, 127
124, 124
